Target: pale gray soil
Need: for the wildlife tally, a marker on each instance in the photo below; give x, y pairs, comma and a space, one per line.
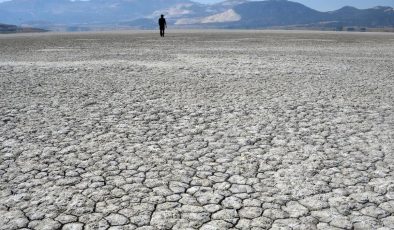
199, 130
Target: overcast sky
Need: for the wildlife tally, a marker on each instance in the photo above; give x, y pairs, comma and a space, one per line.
325, 5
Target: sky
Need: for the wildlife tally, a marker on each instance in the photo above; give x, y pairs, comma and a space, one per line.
325, 5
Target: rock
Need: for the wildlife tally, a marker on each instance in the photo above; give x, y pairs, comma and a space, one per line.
341, 222
252, 203
140, 220
216, 225
229, 215
275, 214
388, 222
165, 219
188, 199
37, 215
201, 217
48, 224
17, 222
212, 207
209, 198
192, 208
325, 226
261, 222
314, 204
325, 215
387, 206
64, 218
290, 223
237, 179
244, 224
116, 219
375, 212
250, 212
73, 226
364, 223
232, 202
295, 209
236, 188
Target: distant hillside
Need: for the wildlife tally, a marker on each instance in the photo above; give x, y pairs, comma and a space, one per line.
79, 12
374, 17
276, 13
142, 14
4, 28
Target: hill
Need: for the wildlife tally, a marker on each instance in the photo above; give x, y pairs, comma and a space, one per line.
5, 28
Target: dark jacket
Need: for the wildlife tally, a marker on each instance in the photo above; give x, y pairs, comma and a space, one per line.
162, 22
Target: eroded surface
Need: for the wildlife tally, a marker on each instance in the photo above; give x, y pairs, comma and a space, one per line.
215, 130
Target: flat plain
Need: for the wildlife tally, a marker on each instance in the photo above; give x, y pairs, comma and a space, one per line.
197, 130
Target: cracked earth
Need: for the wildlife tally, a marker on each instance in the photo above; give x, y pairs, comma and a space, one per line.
199, 130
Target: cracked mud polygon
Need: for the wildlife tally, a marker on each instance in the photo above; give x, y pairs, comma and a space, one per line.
197, 130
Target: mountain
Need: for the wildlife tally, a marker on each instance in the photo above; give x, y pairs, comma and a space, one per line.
5, 29
276, 13
283, 13
374, 17
79, 12
143, 14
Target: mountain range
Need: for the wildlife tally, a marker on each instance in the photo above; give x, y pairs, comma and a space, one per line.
94, 14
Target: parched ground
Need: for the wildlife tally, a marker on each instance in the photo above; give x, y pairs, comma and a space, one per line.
199, 130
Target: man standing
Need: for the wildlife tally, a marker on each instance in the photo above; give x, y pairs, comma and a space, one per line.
163, 25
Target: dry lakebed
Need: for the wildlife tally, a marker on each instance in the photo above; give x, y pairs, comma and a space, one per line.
198, 130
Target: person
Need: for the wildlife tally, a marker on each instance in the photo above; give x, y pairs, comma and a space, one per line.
163, 25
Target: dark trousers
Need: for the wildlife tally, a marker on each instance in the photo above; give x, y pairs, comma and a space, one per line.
162, 31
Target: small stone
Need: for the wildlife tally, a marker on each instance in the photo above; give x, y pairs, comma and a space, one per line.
167, 206
37, 215
388, 206
73, 226
275, 214
364, 223
237, 179
244, 224
173, 198
212, 207
229, 215
314, 204
375, 212
295, 209
188, 199
192, 208
325, 215
216, 225
232, 202
19, 222
165, 219
252, 203
325, 226
341, 222
261, 222
140, 220
48, 224
201, 217
250, 212
236, 188
209, 198
64, 218
117, 219
388, 222
290, 223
